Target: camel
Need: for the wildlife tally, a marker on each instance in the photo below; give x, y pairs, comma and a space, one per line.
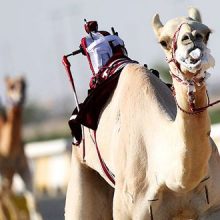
155, 141
12, 156
18, 206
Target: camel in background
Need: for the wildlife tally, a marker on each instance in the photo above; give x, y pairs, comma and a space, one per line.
156, 142
12, 156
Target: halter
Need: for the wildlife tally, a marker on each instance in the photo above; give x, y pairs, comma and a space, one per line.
191, 84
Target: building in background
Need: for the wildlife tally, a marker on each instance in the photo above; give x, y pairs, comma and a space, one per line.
50, 162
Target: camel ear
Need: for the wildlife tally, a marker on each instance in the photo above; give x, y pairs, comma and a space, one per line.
194, 14
157, 25
7, 79
22, 78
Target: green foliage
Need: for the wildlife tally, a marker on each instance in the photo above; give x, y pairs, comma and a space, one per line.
215, 116
43, 123
33, 114
48, 136
164, 72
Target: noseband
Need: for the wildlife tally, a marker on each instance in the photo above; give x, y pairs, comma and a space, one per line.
191, 84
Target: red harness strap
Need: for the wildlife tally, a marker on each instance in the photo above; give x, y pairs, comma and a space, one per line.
84, 47
106, 170
174, 46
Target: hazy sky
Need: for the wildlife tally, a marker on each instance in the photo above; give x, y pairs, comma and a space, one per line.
34, 35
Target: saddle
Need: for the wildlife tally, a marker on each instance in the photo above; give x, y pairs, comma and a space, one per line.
91, 108
103, 84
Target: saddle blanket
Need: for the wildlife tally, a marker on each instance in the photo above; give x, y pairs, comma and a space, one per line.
90, 109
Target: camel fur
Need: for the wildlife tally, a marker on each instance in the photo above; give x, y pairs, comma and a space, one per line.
166, 165
12, 156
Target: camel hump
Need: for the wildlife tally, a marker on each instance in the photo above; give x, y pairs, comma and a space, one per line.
138, 81
137, 77
135, 72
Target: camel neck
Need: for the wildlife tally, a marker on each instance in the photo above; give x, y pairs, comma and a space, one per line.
14, 114
192, 139
12, 130
14, 120
191, 126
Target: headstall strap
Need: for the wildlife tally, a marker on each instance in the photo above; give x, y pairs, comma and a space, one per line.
174, 46
106, 170
189, 83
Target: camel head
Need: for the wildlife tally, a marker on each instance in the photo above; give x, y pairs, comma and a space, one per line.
15, 90
184, 40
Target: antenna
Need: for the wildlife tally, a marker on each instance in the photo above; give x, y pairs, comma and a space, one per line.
113, 31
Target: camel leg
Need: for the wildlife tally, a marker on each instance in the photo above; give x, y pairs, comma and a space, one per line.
119, 208
9, 210
88, 197
8, 178
26, 176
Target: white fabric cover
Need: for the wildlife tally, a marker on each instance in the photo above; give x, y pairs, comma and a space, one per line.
99, 49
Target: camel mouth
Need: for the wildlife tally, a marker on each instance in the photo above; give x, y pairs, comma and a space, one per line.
15, 98
193, 60
192, 63
196, 60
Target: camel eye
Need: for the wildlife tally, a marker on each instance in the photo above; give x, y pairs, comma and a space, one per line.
198, 36
163, 43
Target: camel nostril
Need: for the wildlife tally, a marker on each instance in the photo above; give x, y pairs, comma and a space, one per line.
198, 36
185, 37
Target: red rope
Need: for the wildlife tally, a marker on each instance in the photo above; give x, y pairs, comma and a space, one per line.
104, 167
67, 66
201, 109
84, 46
192, 108
174, 46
